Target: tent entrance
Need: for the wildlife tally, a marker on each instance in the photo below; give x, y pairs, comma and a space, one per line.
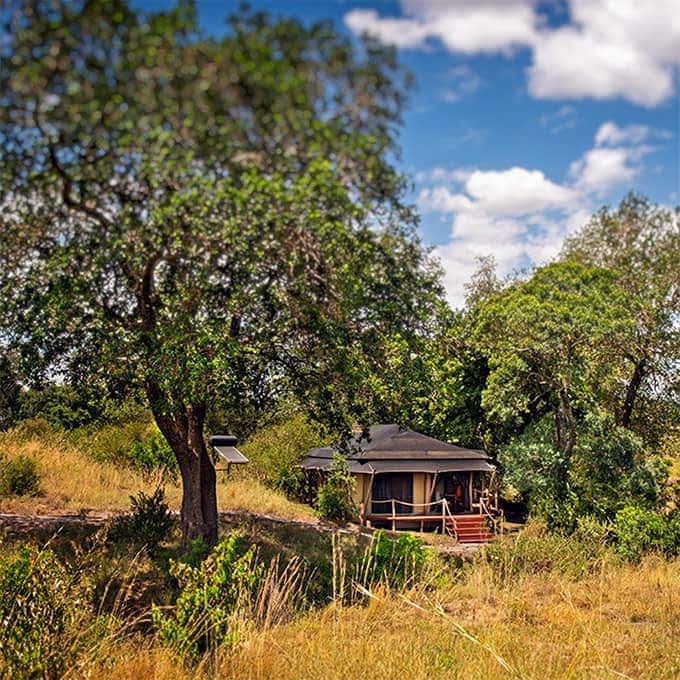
392, 485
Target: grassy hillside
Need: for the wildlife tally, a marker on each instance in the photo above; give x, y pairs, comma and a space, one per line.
534, 605
71, 480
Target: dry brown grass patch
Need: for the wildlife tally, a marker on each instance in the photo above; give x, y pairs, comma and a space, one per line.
71, 481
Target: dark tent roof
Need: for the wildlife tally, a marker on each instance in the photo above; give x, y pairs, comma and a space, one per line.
388, 448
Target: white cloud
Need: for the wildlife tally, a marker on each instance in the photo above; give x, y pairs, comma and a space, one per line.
466, 26
399, 32
519, 215
609, 48
610, 133
463, 81
441, 199
615, 159
603, 70
516, 191
600, 169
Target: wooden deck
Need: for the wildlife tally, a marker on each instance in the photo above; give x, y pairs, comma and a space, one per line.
469, 527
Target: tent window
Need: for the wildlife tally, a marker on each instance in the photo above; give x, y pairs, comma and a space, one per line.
397, 485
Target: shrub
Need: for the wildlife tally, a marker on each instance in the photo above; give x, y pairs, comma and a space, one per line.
137, 445
537, 551
334, 497
209, 595
43, 608
198, 551
639, 531
393, 563
19, 476
36, 428
153, 454
274, 452
148, 524
110, 443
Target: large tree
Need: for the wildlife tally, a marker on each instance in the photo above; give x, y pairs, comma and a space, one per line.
214, 218
548, 342
640, 242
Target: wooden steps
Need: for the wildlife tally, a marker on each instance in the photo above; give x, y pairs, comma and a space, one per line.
470, 528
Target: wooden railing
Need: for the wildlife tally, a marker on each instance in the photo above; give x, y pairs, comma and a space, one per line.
439, 511
444, 513
493, 514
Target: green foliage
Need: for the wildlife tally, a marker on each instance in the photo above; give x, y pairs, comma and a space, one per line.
209, 595
148, 524
43, 608
531, 463
334, 497
610, 469
640, 243
197, 552
153, 454
136, 444
19, 477
639, 531
217, 266
10, 393
395, 563
36, 428
275, 450
535, 550
60, 405
548, 341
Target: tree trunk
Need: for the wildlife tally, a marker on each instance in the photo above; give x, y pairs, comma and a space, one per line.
199, 497
184, 432
631, 392
565, 435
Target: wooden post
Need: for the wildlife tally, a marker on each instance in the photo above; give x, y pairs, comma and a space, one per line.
368, 493
444, 504
434, 483
394, 515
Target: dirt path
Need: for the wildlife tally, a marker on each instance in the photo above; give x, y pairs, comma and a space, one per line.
19, 523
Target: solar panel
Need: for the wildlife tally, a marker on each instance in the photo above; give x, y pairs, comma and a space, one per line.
225, 445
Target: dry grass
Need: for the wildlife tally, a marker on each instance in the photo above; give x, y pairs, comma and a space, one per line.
71, 481
619, 621
622, 622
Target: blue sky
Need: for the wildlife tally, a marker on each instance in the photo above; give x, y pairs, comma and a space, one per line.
527, 115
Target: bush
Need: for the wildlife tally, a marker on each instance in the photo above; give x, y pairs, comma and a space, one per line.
153, 454
334, 497
110, 443
43, 609
19, 477
639, 531
137, 445
274, 452
36, 428
209, 595
393, 563
608, 468
537, 551
147, 526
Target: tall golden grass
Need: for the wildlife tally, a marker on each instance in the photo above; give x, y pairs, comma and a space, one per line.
621, 621
615, 621
71, 481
